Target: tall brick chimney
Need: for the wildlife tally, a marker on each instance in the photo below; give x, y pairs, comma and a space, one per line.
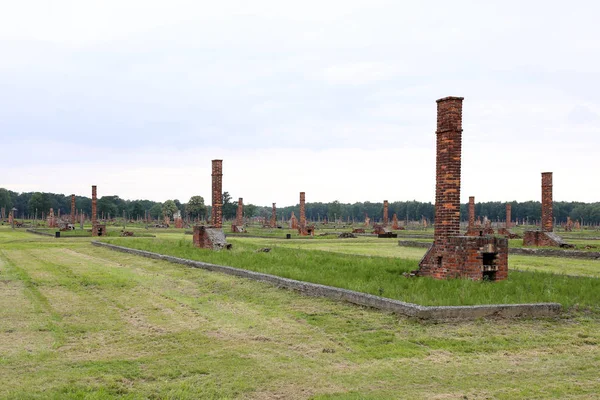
273, 223
217, 194
385, 213
94, 206
508, 215
72, 208
239, 214
302, 210
547, 214
448, 158
471, 212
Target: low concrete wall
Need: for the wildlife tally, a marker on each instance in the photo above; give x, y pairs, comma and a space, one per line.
541, 252
363, 299
39, 233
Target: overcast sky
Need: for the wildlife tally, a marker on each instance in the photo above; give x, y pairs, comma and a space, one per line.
335, 98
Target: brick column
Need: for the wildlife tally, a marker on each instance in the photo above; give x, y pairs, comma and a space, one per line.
547, 215
471, 212
385, 213
217, 194
239, 214
72, 208
508, 215
274, 217
94, 205
448, 158
302, 210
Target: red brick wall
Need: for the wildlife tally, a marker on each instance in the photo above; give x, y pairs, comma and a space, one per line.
448, 161
547, 215
217, 194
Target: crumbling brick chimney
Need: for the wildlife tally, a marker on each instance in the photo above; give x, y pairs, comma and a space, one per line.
73, 209
545, 236
94, 206
451, 255
385, 213
471, 212
547, 212
239, 214
217, 194
302, 210
273, 222
508, 215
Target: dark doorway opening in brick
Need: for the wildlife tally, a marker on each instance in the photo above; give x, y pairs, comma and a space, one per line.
489, 266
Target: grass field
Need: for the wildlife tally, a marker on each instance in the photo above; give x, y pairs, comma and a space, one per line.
83, 322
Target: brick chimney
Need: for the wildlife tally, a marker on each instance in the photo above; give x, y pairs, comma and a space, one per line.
217, 194
471, 212
302, 210
385, 213
508, 215
94, 206
448, 160
547, 215
239, 214
273, 223
72, 208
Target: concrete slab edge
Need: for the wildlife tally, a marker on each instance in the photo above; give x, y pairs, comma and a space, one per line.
364, 299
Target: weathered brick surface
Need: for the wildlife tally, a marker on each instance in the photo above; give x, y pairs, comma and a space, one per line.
451, 255
547, 214
546, 236
73, 209
508, 215
179, 223
51, 220
273, 222
10, 217
303, 228
367, 220
473, 229
239, 214
217, 194
293, 221
94, 205
395, 225
385, 213
208, 237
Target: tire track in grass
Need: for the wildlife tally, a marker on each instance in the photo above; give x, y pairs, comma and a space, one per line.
39, 301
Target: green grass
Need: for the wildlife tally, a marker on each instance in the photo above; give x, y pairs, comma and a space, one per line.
79, 321
383, 276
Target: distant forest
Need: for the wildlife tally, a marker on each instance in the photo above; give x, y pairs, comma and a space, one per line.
27, 204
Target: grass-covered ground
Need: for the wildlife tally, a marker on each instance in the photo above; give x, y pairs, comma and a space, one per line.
382, 276
83, 322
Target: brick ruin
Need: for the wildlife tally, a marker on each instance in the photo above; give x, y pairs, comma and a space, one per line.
385, 213
273, 222
238, 227
545, 236
206, 237
452, 255
477, 229
508, 224
217, 194
51, 221
3, 213
569, 225
303, 228
395, 225
293, 223
10, 217
367, 220
212, 237
73, 209
97, 229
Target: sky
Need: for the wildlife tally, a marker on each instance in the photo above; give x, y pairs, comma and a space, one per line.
334, 98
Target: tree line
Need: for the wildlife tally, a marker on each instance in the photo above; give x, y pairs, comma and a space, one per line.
27, 204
